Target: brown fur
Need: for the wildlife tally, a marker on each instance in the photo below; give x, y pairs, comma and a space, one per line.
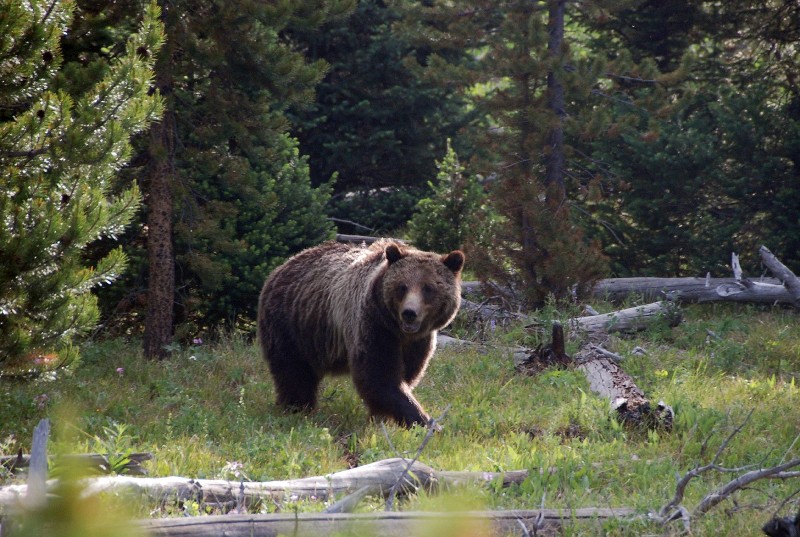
373, 312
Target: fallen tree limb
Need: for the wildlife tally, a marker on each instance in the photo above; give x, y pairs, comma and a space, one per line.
781, 272
694, 290
358, 239
388, 524
607, 379
379, 476
675, 510
628, 320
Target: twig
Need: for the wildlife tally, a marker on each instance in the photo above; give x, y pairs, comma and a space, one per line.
605, 352
349, 503
722, 493
389, 440
683, 482
433, 426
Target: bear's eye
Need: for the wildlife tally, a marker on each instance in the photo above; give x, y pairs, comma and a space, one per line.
427, 290
402, 289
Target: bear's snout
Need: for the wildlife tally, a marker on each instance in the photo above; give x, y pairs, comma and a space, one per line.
411, 313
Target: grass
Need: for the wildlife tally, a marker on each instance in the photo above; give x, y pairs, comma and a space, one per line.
209, 412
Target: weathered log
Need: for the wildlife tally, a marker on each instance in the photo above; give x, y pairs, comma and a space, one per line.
607, 379
628, 320
605, 376
358, 239
379, 476
695, 290
782, 272
388, 524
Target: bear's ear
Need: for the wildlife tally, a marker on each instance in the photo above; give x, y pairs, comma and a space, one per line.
393, 253
454, 261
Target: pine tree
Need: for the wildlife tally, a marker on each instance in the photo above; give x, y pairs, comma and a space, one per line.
377, 123
59, 154
545, 95
717, 171
455, 213
226, 193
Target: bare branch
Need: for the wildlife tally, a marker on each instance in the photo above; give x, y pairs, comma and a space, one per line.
740, 482
433, 426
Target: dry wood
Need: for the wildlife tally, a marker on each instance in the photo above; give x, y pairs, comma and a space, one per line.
695, 290
628, 320
366, 239
37, 473
781, 272
675, 510
379, 476
388, 524
607, 379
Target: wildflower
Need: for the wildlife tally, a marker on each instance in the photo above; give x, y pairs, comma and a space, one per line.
120, 371
197, 341
234, 467
193, 358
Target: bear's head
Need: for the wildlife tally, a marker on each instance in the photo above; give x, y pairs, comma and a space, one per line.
422, 290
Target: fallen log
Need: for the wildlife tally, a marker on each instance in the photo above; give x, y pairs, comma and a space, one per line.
379, 476
781, 272
607, 379
358, 239
388, 524
628, 320
694, 290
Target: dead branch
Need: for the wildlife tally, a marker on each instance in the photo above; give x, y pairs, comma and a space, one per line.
674, 510
380, 476
781, 272
388, 524
433, 426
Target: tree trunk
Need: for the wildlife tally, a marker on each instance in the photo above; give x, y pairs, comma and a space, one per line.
160, 257
554, 178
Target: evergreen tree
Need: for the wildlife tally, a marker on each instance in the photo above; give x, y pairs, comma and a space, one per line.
59, 153
222, 182
718, 170
546, 95
377, 124
455, 213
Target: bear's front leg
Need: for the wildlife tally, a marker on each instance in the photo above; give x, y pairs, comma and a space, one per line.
378, 374
396, 402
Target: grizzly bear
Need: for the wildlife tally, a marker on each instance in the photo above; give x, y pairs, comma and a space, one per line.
372, 312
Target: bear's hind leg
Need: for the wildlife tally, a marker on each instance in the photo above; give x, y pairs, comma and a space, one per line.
296, 385
295, 380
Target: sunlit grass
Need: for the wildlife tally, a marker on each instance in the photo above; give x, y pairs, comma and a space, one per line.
210, 408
